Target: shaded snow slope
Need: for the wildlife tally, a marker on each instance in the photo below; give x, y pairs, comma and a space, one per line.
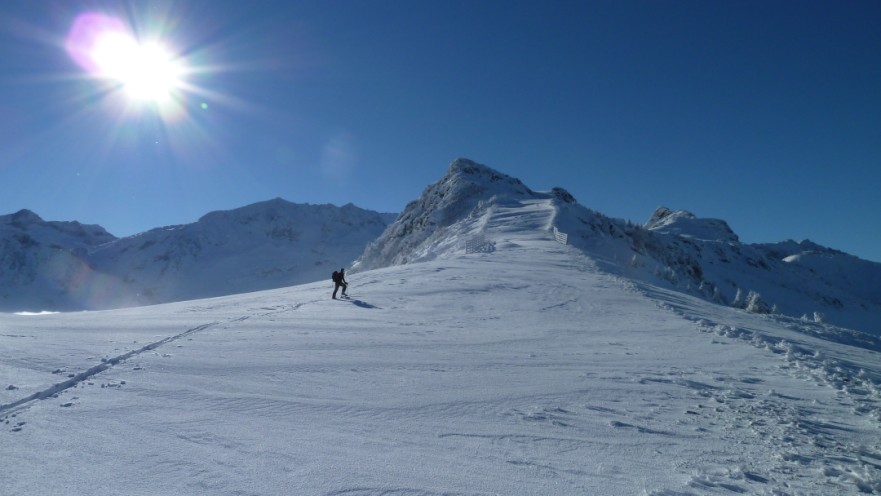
702, 257
67, 266
40, 260
525, 370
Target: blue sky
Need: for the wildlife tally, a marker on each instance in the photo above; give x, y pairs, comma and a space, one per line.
765, 114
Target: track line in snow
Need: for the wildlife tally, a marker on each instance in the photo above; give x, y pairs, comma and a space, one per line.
105, 364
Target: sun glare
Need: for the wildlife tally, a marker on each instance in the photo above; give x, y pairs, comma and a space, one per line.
146, 72
106, 48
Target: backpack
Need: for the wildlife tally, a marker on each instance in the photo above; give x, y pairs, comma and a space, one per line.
335, 277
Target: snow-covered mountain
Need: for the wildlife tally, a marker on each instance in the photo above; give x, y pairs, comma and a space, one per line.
460, 205
42, 262
69, 266
522, 368
702, 257
65, 266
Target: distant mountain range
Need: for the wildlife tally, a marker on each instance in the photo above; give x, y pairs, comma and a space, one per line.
69, 266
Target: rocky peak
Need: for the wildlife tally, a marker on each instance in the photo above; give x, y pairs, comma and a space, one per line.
21, 219
686, 224
563, 195
467, 177
663, 216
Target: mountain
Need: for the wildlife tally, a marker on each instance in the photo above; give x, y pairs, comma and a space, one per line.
797, 279
461, 204
69, 266
41, 262
523, 368
687, 225
537, 347
703, 257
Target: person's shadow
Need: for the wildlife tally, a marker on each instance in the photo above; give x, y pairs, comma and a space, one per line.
360, 303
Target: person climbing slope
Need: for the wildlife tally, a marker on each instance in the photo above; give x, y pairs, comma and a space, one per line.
339, 280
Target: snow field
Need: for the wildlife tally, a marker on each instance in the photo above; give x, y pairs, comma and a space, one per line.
522, 371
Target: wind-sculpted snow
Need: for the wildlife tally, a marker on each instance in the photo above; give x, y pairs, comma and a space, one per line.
437, 223
526, 370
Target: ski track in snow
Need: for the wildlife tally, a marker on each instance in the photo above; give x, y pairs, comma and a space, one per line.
106, 364
11, 409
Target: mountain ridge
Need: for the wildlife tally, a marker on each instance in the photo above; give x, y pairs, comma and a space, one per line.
276, 243
69, 266
675, 248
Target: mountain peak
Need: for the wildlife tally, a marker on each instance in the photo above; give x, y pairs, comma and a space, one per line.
21, 218
463, 163
663, 216
466, 191
468, 166
686, 224
467, 174
563, 195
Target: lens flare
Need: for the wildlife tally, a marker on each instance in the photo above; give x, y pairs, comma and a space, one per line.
84, 35
107, 49
146, 77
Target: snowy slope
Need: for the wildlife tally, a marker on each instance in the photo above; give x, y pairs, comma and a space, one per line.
66, 266
701, 257
523, 370
40, 260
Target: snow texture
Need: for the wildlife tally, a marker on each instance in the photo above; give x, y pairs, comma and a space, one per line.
532, 368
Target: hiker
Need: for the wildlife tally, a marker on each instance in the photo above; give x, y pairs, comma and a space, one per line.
339, 279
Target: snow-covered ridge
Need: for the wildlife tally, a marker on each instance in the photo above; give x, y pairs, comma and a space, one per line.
68, 266
26, 222
702, 257
65, 266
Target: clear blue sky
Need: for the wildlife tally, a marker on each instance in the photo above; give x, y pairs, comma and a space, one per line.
766, 114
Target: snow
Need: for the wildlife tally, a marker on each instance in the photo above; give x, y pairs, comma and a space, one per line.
688, 225
52, 266
533, 369
68, 266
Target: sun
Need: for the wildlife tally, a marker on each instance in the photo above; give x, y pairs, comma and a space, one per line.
106, 48
145, 71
